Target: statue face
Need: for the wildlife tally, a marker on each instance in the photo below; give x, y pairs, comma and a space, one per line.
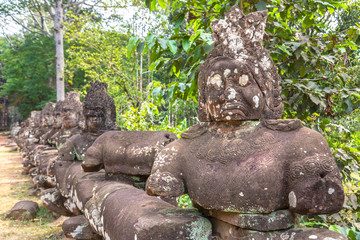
231, 92
48, 120
58, 121
95, 119
70, 118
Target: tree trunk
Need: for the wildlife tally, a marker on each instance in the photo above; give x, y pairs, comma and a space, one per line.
59, 42
141, 72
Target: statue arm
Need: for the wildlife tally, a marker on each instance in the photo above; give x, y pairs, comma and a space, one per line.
67, 151
93, 160
314, 182
166, 178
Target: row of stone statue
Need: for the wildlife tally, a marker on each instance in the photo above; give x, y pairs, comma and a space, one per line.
248, 173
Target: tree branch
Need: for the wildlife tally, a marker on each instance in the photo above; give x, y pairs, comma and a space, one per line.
52, 14
73, 4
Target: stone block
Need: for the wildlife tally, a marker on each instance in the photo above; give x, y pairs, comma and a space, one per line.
23, 210
278, 220
77, 227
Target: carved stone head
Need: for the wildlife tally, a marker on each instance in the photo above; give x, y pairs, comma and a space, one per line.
99, 108
47, 114
239, 80
58, 119
35, 119
71, 110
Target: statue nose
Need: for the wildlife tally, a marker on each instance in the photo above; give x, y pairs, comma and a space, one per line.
222, 98
230, 94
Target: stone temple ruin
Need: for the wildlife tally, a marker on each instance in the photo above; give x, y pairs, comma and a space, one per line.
248, 172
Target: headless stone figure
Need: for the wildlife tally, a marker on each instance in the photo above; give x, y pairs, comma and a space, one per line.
243, 172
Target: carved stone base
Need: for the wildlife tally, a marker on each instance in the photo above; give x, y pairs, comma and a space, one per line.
226, 231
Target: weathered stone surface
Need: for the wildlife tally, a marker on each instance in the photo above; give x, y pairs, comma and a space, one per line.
23, 210
94, 207
71, 116
76, 146
65, 181
237, 63
226, 231
128, 153
233, 165
120, 211
278, 220
44, 181
84, 187
99, 108
47, 119
100, 115
271, 164
78, 228
54, 201
60, 169
42, 159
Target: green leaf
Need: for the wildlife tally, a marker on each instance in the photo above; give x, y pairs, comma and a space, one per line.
172, 46
331, 10
315, 99
150, 41
344, 76
261, 5
162, 3
284, 49
298, 6
179, 20
329, 59
308, 22
132, 45
156, 91
163, 43
186, 44
302, 71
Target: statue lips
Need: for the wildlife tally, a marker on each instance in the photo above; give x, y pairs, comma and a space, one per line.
237, 108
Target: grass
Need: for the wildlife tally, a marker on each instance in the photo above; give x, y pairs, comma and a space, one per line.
14, 187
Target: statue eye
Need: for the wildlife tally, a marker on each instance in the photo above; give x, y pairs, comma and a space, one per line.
215, 81
244, 80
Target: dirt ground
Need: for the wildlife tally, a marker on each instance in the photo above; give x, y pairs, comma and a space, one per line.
14, 187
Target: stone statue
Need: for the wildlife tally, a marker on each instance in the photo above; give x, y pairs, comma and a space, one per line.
49, 137
71, 116
236, 168
126, 156
47, 119
100, 116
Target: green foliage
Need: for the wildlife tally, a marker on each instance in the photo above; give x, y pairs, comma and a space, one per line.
184, 201
28, 67
314, 58
97, 54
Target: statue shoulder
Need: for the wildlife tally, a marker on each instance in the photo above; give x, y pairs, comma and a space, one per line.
195, 131
282, 125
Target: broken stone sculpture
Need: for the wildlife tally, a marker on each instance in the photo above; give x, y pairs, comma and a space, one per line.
120, 211
243, 172
46, 139
47, 120
126, 156
71, 118
23, 210
33, 136
100, 114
